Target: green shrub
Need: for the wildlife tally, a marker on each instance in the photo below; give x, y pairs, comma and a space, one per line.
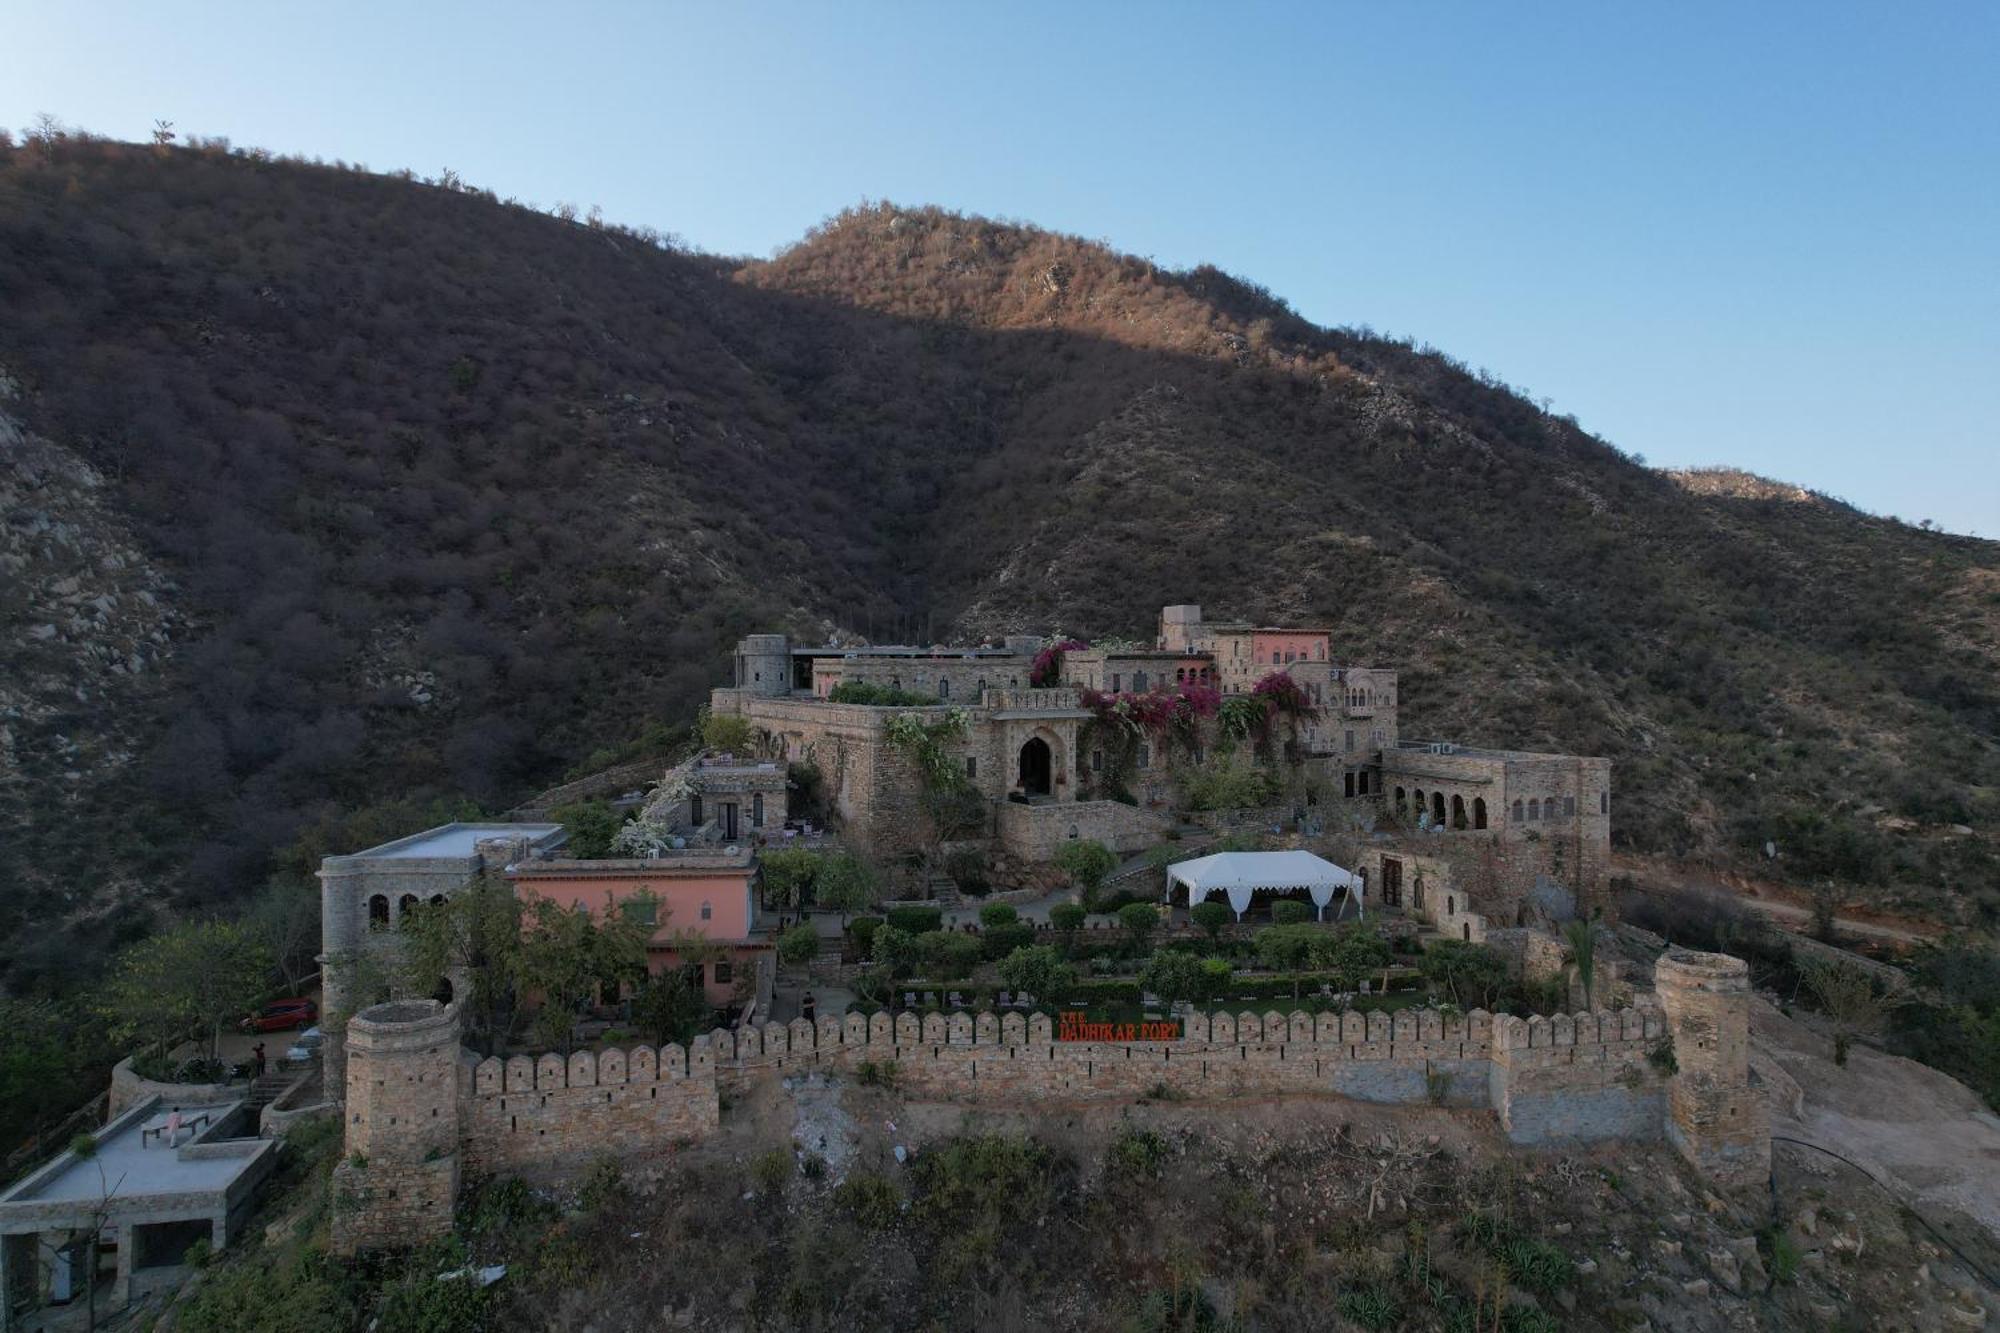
725, 731
1781, 1253
1173, 975
771, 1171
997, 914
872, 985
1087, 863
1140, 921
1003, 940
871, 1200
1136, 1154
1039, 971
949, 955
603, 1184
1068, 916
1212, 916
1100, 992
1291, 912
916, 920
862, 931
1372, 1307
895, 949
309, 1287
1662, 1056
591, 825
798, 945
874, 1074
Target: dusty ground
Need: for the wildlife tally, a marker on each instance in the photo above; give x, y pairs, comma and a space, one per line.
1655, 1247
1925, 1136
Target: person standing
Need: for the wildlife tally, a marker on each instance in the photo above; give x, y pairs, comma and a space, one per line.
257, 1059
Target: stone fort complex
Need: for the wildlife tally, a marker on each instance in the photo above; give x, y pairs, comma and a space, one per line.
1474, 836
1029, 750
421, 1111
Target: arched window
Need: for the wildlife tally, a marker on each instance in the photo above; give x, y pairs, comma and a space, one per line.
1465, 932
378, 912
982, 687
405, 905
1534, 810
944, 687
1437, 809
707, 911
1072, 831
1458, 812
1420, 801
1518, 809
1450, 905
1479, 812
1180, 675
1402, 798
757, 809
437, 900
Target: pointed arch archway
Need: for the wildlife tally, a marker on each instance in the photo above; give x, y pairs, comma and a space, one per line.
1037, 767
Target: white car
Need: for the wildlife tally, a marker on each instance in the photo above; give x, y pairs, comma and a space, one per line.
307, 1046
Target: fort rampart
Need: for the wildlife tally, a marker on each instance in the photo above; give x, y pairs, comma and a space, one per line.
1567, 1078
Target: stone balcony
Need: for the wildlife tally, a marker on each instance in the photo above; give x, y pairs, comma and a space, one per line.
1054, 701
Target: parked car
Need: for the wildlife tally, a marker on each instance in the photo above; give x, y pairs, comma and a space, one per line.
306, 1046
281, 1015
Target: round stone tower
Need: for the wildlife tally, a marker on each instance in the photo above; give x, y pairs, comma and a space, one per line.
398, 1179
340, 916
764, 665
1715, 1117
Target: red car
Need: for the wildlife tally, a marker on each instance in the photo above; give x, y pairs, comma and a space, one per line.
282, 1015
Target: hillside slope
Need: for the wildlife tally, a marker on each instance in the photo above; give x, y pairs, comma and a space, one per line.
430, 496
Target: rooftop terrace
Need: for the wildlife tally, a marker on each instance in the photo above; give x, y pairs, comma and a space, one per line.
460, 840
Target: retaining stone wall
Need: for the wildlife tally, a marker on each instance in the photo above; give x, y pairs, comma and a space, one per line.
526, 1113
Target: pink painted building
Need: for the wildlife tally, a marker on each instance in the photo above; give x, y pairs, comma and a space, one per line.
706, 893
1275, 649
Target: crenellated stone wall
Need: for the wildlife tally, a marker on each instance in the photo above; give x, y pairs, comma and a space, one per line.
525, 1112
1567, 1078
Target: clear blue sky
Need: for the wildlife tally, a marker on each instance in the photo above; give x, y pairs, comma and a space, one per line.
1761, 234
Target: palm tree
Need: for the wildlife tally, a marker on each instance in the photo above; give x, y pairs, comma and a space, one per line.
1582, 937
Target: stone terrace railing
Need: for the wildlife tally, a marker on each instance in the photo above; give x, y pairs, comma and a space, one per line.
1054, 699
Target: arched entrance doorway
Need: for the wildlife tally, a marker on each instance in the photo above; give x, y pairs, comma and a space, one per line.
1035, 766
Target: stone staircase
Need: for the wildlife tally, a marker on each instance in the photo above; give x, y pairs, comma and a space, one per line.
269, 1088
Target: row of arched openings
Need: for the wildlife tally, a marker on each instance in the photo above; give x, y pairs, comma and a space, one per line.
378, 908
1458, 814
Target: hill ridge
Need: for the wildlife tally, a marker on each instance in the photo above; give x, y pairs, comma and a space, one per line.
452, 495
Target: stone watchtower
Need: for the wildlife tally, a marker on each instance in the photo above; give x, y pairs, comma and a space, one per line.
398, 1176
764, 665
1717, 1120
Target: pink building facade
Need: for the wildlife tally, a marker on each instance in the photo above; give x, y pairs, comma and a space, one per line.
709, 894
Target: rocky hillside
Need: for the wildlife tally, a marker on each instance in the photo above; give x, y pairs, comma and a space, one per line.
329, 489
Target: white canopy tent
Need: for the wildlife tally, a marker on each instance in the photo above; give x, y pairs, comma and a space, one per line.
1239, 875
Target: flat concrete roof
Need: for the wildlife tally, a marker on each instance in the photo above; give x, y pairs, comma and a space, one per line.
458, 840
132, 1171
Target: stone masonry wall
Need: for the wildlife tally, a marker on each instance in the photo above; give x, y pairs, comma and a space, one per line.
1035, 832
529, 1113
1568, 1078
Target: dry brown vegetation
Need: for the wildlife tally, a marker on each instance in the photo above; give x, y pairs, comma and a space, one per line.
453, 494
